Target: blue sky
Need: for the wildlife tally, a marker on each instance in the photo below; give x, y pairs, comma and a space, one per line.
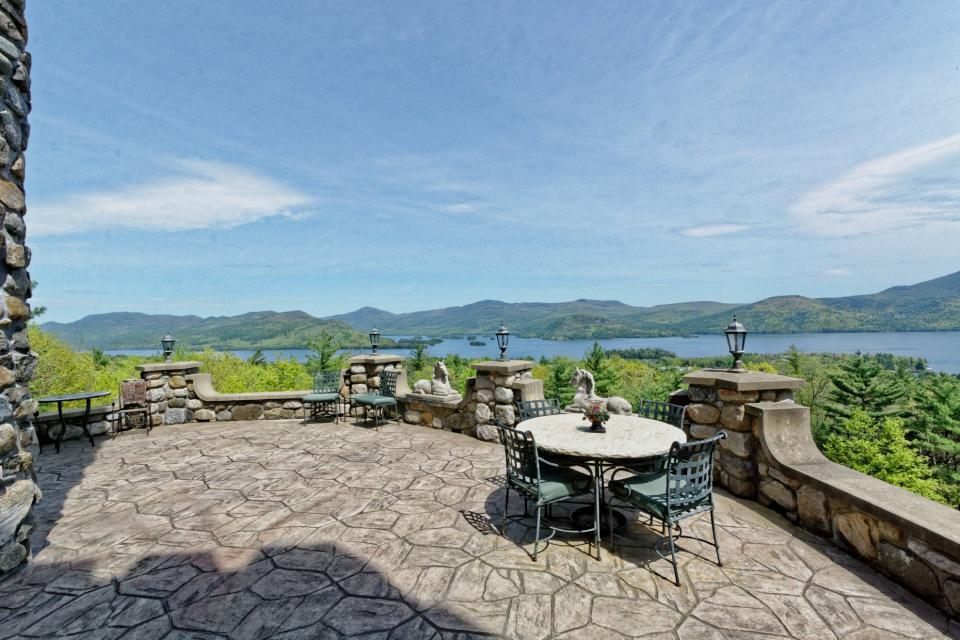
221, 157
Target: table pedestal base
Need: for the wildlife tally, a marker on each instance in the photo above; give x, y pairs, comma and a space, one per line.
582, 518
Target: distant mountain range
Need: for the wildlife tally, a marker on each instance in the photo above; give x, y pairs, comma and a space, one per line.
933, 305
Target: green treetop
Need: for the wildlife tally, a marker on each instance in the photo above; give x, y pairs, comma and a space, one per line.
880, 448
862, 384
596, 362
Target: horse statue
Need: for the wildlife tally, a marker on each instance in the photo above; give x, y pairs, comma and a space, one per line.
439, 386
584, 396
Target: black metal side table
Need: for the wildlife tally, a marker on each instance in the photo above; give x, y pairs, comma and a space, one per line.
71, 397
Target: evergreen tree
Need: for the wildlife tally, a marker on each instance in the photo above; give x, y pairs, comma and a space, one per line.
596, 362
256, 358
418, 357
936, 427
880, 448
323, 349
557, 383
860, 383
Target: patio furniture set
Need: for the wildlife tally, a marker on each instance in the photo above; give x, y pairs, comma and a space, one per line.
640, 462
326, 399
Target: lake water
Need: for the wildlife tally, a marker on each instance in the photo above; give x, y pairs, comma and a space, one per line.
941, 349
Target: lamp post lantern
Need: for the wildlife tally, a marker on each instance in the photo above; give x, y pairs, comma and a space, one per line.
503, 339
167, 341
736, 339
374, 340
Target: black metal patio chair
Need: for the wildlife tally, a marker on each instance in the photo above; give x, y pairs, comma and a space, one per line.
536, 408
132, 408
326, 398
543, 482
375, 402
674, 414
682, 489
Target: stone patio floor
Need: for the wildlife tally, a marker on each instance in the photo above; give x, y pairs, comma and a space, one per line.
278, 530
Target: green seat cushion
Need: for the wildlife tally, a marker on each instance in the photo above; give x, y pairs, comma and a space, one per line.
321, 397
648, 491
373, 399
557, 483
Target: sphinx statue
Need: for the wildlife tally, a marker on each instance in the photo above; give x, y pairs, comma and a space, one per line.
585, 385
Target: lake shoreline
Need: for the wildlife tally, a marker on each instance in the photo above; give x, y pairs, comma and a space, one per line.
941, 349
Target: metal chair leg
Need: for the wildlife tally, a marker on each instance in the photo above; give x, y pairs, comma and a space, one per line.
506, 510
596, 516
673, 556
536, 538
610, 521
716, 544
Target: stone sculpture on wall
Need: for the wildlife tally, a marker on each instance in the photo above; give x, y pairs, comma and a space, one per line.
439, 386
584, 383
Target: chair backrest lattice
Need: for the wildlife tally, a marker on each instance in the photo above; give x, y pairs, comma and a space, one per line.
326, 382
133, 393
388, 383
663, 411
537, 408
690, 472
520, 451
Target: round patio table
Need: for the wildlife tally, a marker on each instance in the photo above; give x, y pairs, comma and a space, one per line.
627, 438
70, 397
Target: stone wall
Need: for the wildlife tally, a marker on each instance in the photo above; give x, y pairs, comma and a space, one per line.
18, 490
179, 393
912, 539
717, 401
47, 424
491, 395
770, 456
363, 376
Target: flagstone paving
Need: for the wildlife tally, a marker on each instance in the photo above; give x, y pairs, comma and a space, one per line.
278, 530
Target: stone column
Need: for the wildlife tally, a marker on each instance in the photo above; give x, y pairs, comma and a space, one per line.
169, 395
495, 391
717, 401
18, 490
363, 374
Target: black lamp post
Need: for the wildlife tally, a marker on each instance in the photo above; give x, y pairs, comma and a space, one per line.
503, 339
736, 339
167, 341
374, 340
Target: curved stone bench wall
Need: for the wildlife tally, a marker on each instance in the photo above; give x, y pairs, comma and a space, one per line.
770, 456
98, 423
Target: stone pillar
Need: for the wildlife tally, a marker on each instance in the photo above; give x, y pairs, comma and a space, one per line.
169, 393
363, 374
18, 490
493, 394
717, 401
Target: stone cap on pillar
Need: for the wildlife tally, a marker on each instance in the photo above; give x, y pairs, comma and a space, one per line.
163, 367
742, 380
503, 367
380, 358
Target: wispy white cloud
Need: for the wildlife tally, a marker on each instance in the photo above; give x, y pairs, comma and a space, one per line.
711, 230
836, 272
885, 194
198, 195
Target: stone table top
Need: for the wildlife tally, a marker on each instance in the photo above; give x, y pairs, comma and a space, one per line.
627, 437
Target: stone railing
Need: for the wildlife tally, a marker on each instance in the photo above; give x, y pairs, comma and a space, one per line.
770, 455
491, 395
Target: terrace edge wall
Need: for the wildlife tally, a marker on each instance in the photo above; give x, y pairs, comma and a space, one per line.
18, 488
770, 456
